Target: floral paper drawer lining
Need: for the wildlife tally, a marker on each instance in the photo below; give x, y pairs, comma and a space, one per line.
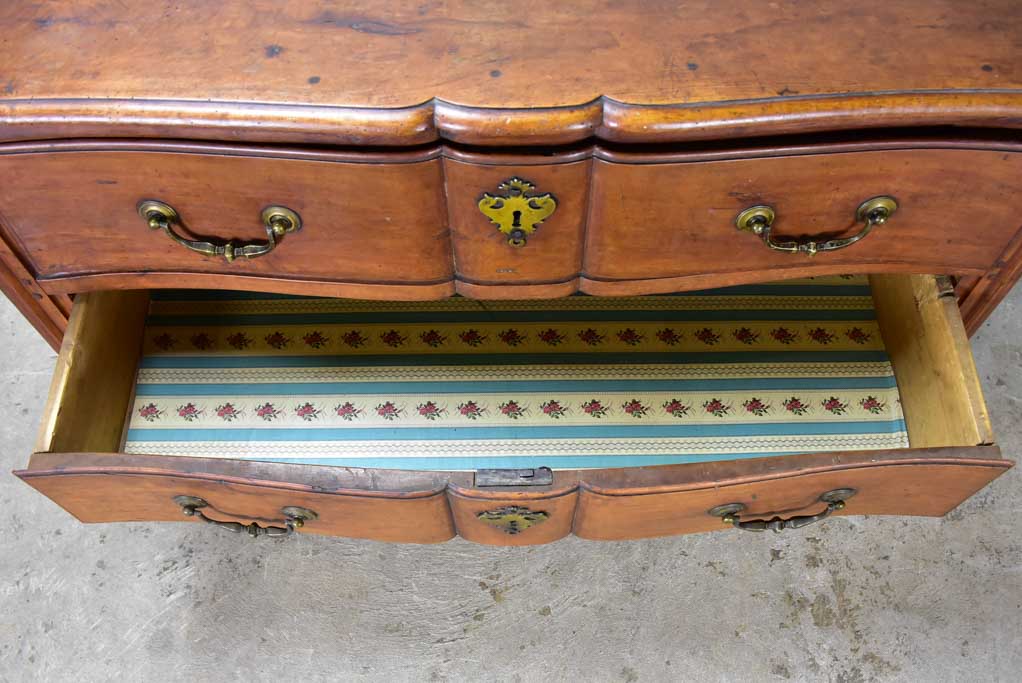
573, 383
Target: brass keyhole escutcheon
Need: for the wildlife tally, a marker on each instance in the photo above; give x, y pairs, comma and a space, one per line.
512, 519
516, 213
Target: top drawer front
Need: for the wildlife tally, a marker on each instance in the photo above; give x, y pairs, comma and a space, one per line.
957, 210
74, 213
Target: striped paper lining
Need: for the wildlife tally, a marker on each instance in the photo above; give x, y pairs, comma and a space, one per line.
458, 384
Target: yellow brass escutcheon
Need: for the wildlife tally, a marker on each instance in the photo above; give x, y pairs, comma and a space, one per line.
512, 519
517, 213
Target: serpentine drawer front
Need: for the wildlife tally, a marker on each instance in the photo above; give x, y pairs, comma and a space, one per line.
669, 221
765, 407
372, 222
441, 184
497, 225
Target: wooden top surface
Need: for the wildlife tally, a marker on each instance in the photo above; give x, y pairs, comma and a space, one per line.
311, 58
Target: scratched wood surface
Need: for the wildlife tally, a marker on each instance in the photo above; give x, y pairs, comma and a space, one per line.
355, 71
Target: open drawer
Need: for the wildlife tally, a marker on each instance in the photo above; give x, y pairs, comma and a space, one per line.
920, 449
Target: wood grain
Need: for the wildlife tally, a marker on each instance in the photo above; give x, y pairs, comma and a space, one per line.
95, 373
929, 349
656, 221
611, 504
48, 315
74, 214
557, 503
552, 254
916, 489
127, 497
405, 73
676, 220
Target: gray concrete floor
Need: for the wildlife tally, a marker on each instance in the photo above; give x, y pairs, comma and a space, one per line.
854, 599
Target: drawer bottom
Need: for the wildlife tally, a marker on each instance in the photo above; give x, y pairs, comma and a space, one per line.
576, 383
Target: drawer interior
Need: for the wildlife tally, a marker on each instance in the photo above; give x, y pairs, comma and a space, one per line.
805, 366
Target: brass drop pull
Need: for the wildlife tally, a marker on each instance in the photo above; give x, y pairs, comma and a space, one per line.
278, 220
729, 514
294, 518
759, 220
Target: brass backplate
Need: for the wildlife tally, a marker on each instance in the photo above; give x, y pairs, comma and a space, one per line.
512, 519
886, 205
517, 213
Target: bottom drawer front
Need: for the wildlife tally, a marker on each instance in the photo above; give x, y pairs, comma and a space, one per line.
421, 517
681, 405
922, 488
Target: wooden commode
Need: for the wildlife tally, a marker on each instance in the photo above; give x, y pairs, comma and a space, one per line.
407, 271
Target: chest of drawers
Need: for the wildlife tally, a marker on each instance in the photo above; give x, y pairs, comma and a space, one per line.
398, 153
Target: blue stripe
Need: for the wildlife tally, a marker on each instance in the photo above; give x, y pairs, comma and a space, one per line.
399, 360
515, 462
551, 316
469, 433
559, 385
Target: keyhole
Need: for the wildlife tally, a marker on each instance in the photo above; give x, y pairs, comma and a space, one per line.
516, 217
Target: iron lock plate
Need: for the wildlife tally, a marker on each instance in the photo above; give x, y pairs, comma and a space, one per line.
539, 476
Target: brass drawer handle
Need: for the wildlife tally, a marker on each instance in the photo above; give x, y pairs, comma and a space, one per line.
759, 220
279, 220
729, 514
294, 518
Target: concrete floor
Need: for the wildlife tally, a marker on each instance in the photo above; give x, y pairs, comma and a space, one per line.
854, 599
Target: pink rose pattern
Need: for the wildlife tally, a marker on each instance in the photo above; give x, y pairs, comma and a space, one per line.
202, 341
756, 406
389, 411
635, 408
457, 339
307, 411
511, 337
227, 412
267, 411
471, 410
239, 340
676, 408
278, 340
354, 339
821, 336
707, 336
630, 337
472, 337
514, 409
315, 339
745, 335
796, 406
716, 407
784, 335
430, 410
393, 338
834, 405
553, 409
594, 408
433, 339
347, 411
150, 413
551, 336
164, 342
668, 336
